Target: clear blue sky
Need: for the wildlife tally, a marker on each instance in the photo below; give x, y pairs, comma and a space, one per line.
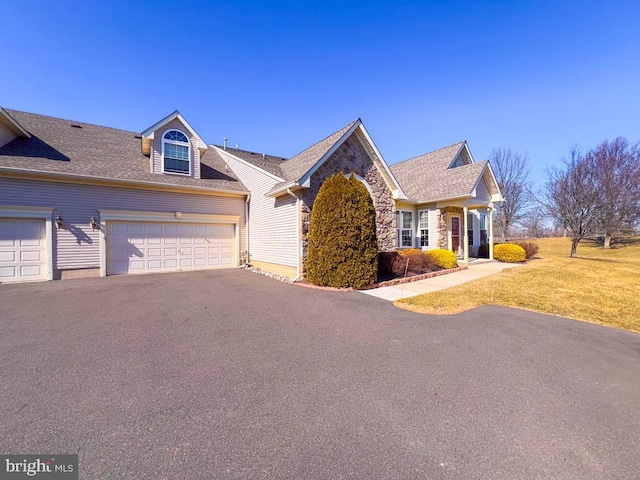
275, 77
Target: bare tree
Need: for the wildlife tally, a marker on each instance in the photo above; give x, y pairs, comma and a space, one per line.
573, 197
513, 176
533, 223
618, 176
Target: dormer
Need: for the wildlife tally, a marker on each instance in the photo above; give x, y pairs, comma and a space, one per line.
173, 147
10, 129
463, 157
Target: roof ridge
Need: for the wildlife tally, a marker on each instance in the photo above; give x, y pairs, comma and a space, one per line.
10, 110
428, 153
232, 149
346, 127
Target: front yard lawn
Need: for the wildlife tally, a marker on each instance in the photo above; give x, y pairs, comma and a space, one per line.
601, 286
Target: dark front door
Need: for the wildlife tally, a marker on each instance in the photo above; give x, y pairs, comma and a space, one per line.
455, 234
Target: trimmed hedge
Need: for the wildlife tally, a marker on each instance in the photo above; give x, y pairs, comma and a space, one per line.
343, 248
530, 248
409, 251
443, 258
509, 253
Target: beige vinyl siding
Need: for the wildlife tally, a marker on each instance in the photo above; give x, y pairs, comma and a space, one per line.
156, 148
482, 192
433, 225
6, 135
77, 245
273, 223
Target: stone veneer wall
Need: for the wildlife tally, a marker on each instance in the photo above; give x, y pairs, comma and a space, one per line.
352, 157
443, 236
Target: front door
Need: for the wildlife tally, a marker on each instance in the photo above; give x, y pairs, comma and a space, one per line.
455, 234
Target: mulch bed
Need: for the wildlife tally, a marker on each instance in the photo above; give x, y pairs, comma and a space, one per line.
386, 283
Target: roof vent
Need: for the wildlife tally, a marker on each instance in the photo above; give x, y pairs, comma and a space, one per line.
138, 136
75, 125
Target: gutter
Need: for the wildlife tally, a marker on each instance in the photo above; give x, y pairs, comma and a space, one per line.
298, 243
246, 225
118, 181
284, 188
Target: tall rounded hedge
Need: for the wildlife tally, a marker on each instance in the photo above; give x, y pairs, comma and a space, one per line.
343, 248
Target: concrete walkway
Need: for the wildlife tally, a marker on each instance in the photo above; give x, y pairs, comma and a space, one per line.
476, 269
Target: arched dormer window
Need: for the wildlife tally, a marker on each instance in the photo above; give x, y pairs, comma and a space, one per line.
176, 153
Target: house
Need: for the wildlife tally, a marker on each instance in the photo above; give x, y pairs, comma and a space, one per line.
84, 200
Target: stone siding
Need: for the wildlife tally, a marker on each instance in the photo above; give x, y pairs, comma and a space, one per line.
352, 157
443, 231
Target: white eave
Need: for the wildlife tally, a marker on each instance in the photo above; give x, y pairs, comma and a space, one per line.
149, 133
12, 124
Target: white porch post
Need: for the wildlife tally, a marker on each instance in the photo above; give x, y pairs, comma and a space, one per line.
490, 233
466, 234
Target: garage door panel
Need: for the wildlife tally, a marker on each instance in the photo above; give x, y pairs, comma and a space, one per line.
138, 247
31, 271
22, 249
7, 256
30, 256
7, 272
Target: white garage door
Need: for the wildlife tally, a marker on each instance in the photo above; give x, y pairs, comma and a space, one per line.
143, 247
22, 249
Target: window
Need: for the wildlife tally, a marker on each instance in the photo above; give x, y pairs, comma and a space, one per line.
405, 228
175, 152
483, 229
470, 227
423, 226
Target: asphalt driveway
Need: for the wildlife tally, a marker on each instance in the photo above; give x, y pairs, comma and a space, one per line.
229, 374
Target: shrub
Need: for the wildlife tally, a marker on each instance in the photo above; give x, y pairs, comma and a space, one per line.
530, 248
443, 258
509, 253
342, 249
394, 264
409, 251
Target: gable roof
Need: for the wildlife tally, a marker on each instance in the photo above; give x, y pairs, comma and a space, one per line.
295, 168
430, 177
12, 124
69, 148
268, 163
149, 133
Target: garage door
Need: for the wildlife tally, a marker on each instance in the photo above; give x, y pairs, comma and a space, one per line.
143, 247
22, 249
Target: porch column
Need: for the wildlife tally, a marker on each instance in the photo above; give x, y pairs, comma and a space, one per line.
466, 235
490, 233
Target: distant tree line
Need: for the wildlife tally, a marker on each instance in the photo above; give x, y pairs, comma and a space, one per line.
592, 194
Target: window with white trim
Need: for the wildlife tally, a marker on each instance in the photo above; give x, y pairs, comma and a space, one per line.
423, 227
470, 228
176, 151
484, 238
405, 228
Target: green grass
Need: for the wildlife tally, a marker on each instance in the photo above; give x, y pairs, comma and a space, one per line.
600, 286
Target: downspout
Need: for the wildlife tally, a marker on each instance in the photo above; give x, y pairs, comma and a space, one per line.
298, 243
246, 224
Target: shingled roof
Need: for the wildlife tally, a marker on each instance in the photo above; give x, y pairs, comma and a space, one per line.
268, 163
428, 178
80, 149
